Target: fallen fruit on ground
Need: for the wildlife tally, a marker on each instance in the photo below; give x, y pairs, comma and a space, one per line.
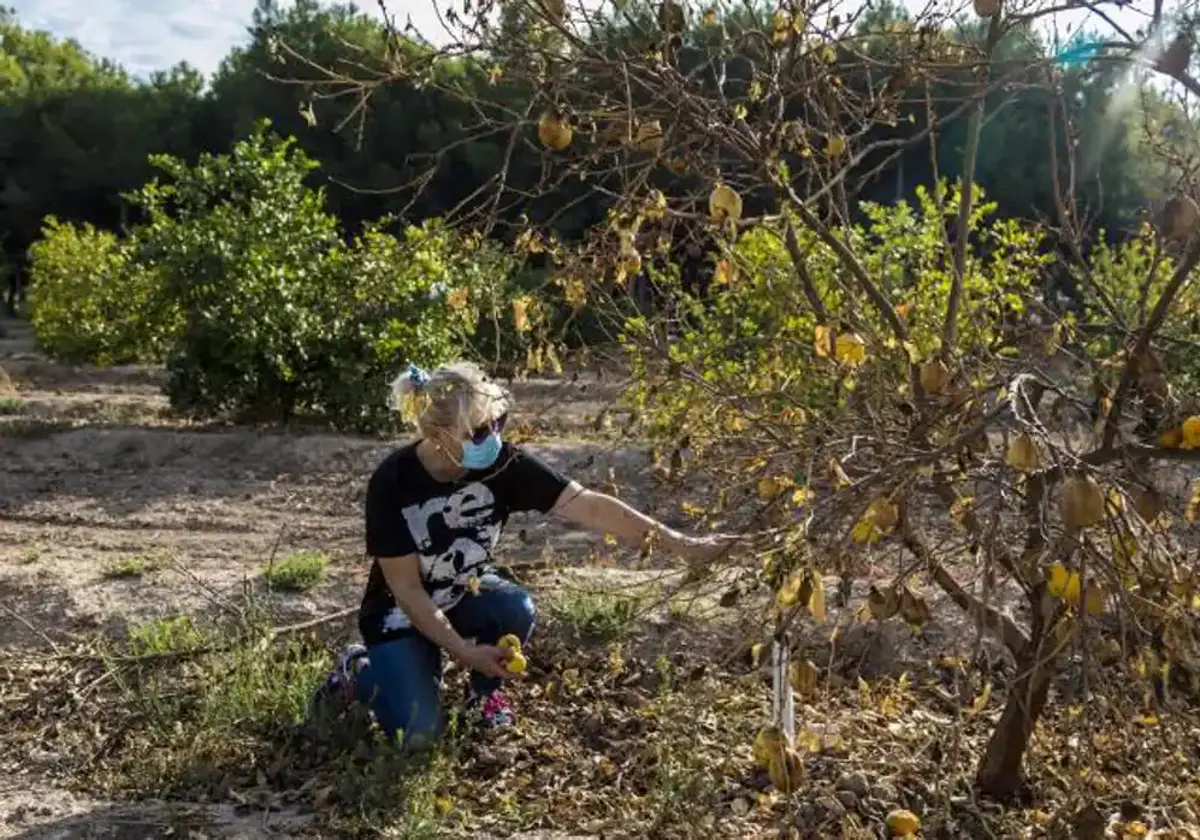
903, 823
1082, 503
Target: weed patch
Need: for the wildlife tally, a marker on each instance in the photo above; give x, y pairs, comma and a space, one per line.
12, 406
596, 615
131, 566
298, 572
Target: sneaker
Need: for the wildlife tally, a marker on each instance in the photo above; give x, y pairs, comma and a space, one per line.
338, 692
494, 710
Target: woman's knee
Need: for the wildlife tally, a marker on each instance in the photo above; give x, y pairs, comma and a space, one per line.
521, 612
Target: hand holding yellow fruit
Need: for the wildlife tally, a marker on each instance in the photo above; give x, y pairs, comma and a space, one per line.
516, 659
517, 663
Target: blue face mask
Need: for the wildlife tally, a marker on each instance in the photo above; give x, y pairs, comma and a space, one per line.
480, 456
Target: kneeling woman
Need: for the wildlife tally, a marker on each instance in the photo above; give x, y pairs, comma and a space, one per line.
434, 512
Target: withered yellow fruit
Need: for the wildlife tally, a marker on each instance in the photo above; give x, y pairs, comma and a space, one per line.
835, 146
1176, 58
1148, 504
1082, 502
649, 137
903, 823
1181, 217
671, 16
913, 608
556, 10
1190, 433
554, 131
1022, 454
630, 261
803, 677
987, 8
724, 204
883, 606
768, 743
884, 514
1170, 438
786, 771
934, 376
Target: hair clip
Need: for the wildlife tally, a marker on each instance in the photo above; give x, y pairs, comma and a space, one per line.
417, 376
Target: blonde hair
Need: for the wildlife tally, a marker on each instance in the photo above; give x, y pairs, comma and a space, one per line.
456, 398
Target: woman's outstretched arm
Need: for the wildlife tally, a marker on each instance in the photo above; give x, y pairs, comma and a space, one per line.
608, 514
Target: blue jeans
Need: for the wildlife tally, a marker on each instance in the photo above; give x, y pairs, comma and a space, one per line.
403, 683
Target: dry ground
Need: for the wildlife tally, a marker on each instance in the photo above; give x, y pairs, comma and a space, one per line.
117, 720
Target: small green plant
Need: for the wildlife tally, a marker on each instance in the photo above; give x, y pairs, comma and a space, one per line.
176, 634
596, 615
132, 566
10, 406
298, 572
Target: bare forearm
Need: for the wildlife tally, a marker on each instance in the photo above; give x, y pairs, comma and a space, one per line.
610, 515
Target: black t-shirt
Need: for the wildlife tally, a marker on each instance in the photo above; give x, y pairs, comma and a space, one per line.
452, 527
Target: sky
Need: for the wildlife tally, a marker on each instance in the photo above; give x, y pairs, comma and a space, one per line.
147, 35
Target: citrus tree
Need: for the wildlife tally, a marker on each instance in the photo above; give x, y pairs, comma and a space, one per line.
904, 386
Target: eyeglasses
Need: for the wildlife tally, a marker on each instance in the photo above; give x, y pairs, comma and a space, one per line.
492, 427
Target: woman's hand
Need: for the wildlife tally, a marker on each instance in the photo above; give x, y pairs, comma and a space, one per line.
700, 551
488, 660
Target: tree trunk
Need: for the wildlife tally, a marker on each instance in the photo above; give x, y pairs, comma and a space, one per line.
999, 774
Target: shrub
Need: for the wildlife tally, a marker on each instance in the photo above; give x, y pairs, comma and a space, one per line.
297, 572
281, 318
389, 300
91, 301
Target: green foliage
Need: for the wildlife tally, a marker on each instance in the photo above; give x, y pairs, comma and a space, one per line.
596, 615
279, 318
241, 244
175, 634
757, 336
92, 301
298, 572
131, 566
